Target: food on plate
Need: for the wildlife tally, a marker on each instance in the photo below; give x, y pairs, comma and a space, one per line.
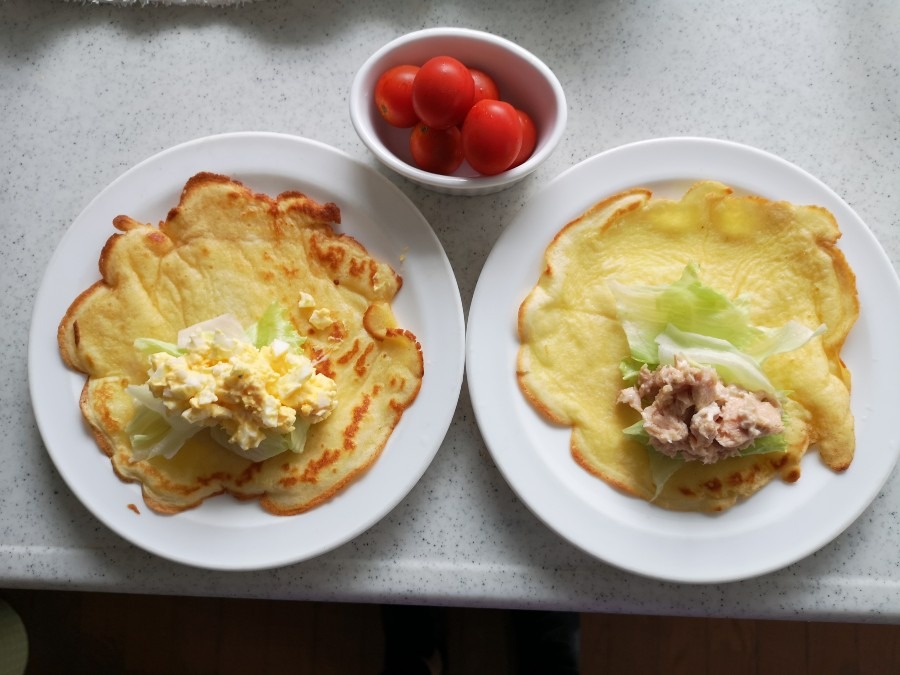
441, 99
254, 389
243, 346
693, 345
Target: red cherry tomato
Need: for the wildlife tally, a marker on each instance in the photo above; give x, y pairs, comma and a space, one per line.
529, 138
393, 96
442, 92
485, 87
436, 150
491, 136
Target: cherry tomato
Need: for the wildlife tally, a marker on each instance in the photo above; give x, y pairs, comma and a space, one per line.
436, 150
442, 92
393, 96
491, 136
485, 87
529, 138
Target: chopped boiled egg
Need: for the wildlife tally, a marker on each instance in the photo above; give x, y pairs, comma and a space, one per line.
223, 380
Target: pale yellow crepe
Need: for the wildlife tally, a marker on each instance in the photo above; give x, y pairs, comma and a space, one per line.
224, 249
781, 257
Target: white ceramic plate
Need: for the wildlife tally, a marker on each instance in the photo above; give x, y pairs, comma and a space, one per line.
782, 523
224, 533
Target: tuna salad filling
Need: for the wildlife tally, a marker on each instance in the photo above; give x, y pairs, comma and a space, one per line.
689, 413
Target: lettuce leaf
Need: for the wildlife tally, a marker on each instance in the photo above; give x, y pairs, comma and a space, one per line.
274, 444
662, 468
687, 304
732, 365
274, 325
150, 346
690, 314
227, 324
153, 430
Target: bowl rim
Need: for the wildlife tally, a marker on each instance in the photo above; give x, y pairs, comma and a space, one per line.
363, 129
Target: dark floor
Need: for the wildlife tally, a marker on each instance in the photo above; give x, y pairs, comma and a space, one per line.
100, 633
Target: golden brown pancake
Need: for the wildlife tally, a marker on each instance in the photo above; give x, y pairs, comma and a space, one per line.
783, 258
227, 250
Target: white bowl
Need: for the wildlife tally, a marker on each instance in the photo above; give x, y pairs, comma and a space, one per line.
524, 81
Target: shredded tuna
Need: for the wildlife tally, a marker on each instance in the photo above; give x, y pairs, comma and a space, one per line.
692, 414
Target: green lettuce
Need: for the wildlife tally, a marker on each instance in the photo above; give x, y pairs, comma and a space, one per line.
154, 430
150, 346
274, 325
273, 444
690, 315
687, 304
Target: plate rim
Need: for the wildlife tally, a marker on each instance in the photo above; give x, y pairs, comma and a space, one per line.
479, 335
446, 380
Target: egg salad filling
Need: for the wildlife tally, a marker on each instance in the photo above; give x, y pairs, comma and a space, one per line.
254, 390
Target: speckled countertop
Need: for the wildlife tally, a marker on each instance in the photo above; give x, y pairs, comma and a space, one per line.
88, 91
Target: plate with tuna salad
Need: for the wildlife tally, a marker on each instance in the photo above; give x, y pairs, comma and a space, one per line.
680, 381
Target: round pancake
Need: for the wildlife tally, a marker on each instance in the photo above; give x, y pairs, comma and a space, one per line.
780, 257
225, 249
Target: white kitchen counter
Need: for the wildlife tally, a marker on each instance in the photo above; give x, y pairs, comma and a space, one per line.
87, 91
